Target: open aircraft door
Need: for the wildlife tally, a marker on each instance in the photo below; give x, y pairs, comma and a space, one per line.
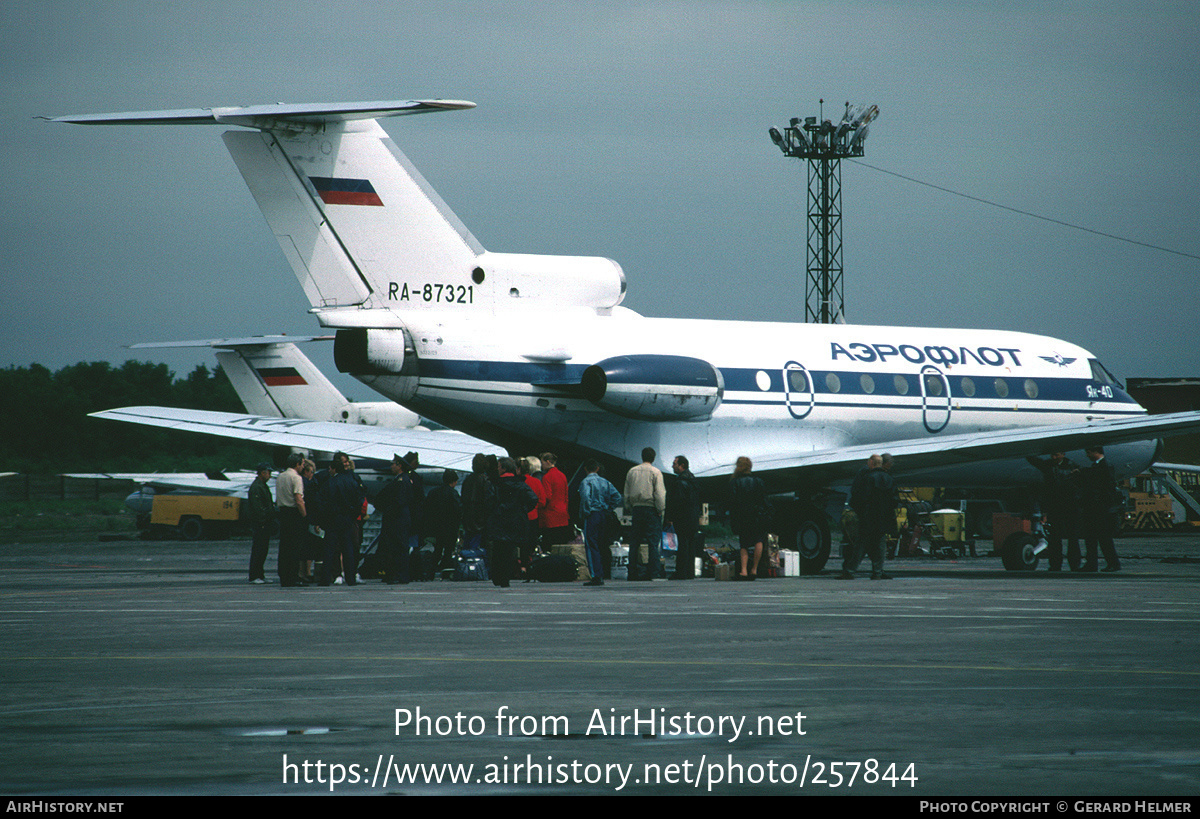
797, 389
935, 398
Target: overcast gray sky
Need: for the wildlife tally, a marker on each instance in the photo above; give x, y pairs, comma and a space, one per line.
636, 131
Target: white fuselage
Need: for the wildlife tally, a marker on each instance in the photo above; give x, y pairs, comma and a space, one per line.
787, 388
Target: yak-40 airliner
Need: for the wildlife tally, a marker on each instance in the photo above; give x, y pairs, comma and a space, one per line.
533, 352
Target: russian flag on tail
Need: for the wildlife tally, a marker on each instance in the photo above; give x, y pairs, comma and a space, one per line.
337, 191
281, 377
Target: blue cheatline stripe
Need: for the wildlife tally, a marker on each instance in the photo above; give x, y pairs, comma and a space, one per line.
745, 380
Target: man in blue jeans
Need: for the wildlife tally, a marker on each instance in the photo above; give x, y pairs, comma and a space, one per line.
597, 497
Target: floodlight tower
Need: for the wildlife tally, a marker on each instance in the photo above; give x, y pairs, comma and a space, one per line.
824, 144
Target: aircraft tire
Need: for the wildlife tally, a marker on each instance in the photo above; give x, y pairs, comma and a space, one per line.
1018, 554
191, 528
805, 528
814, 544
981, 523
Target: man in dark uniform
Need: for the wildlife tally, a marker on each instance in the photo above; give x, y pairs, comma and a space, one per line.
1101, 503
882, 516
683, 513
416, 535
443, 513
341, 502
262, 522
1060, 504
394, 503
508, 522
852, 518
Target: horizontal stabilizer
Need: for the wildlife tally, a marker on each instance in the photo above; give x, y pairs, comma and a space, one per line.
232, 343
269, 117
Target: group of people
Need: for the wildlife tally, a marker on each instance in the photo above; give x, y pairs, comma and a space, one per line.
651, 505
307, 506
515, 508
1080, 501
506, 506
510, 508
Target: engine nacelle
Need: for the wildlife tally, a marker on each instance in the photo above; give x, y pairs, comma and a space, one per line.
363, 351
655, 387
569, 281
378, 414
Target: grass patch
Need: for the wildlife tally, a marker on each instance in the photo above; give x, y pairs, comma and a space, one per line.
67, 519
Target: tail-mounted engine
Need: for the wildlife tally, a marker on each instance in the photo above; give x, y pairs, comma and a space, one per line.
655, 387
514, 279
363, 351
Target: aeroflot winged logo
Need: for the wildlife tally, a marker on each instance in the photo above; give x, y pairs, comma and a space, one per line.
338, 191
1057, 359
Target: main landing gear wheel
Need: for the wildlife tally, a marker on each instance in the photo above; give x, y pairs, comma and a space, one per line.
805, 528
814, 543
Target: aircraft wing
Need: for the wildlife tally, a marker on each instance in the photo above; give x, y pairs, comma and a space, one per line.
444, 448
918, 457
234, 483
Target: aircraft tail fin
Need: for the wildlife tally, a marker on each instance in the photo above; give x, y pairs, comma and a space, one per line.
356, 221
360, 226
354, 218
278, 380
273, 378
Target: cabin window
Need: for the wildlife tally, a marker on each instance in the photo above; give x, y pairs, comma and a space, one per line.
967, 385
933, 385
901, 384
867, 383
1001, 388
1031, 388
833, 383
797, 380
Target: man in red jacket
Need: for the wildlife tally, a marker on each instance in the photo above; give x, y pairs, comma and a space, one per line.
553, 519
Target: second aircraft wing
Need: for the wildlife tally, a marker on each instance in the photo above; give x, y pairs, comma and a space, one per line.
444, 448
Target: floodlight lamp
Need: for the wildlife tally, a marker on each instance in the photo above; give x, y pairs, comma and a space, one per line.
859, 136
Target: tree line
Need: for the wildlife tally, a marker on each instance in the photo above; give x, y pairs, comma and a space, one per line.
47, 429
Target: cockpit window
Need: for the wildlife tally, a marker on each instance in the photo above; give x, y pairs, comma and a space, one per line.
1102, 375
